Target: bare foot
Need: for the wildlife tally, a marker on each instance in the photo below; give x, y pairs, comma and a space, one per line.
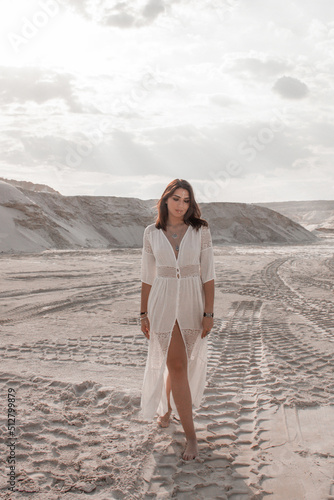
164, 420
191, 450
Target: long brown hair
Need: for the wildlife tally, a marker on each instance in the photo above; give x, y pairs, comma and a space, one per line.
193, 215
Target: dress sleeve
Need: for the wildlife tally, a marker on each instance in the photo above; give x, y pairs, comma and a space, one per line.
148, 266
206, 258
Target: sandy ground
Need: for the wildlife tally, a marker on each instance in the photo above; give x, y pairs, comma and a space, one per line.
72, 349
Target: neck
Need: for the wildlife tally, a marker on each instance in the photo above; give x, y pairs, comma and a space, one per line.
174, 221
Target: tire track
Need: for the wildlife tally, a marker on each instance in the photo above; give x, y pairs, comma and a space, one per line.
78, 298
329, 263
320, 314
110, 350
295, 363
79, 282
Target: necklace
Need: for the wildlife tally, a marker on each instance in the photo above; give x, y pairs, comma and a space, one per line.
174, 236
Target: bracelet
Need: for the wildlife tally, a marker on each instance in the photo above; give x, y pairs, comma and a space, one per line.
143, 313
208, 315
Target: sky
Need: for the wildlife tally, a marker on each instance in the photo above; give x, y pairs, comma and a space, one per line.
118, 98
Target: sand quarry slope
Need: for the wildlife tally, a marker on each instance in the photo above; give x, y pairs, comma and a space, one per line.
317, 215
72, 350
37, 219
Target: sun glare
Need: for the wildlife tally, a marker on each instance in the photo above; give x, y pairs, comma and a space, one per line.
45, 33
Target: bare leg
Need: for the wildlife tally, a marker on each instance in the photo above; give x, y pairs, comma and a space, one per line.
168, 390
177, 367
164, 420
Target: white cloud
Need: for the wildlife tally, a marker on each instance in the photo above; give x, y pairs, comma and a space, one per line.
120, 19
291, 88
83, 7
38, 85
153, 8
261, 68
120, 14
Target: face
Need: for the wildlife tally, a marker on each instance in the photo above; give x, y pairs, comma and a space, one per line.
178, 203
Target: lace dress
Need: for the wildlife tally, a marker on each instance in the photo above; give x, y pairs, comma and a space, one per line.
177, 294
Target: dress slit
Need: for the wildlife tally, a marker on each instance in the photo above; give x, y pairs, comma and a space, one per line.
184, 343
163, 403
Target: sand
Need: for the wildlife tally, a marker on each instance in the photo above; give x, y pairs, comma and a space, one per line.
72, 349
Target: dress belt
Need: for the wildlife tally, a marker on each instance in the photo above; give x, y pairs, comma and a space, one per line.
177, 272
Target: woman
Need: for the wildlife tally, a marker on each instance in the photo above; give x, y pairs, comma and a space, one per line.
177, 299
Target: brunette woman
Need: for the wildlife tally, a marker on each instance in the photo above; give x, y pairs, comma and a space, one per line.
177, 299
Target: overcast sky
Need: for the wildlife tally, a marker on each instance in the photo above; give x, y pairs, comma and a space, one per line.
118, 98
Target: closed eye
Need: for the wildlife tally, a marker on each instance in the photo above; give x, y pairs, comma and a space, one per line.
177, 199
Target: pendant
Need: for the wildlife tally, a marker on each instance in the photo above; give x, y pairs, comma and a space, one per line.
177, 248
174, 235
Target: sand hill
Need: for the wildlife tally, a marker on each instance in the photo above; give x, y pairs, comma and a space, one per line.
317, 215
29, 185
36, 219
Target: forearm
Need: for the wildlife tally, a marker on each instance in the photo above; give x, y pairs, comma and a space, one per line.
209, 295
145, 292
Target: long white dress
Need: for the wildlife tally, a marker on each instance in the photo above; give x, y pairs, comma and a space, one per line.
177, 294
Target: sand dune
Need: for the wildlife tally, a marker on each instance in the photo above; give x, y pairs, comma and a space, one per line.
33, 220
30, 186
72, 349
315, 215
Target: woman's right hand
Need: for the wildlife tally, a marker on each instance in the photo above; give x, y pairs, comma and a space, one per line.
145, 327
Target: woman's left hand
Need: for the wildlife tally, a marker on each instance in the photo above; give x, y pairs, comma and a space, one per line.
207, 325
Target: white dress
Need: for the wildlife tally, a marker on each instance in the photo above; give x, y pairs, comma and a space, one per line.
177, 294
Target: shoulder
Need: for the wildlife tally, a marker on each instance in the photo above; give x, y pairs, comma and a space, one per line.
206, 239
196, 233
205, 229
149, 229
199, 230
198, 224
